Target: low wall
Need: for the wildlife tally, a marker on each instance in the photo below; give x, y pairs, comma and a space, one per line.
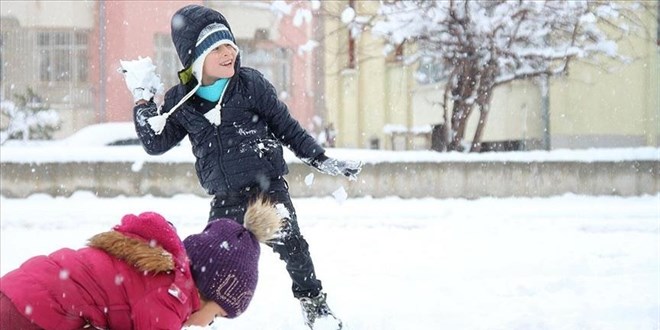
450, 179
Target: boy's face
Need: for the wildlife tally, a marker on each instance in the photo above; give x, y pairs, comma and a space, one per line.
219, 63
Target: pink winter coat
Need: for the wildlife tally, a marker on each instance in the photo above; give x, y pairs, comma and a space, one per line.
136, 276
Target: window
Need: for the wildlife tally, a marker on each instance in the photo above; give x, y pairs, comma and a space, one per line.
431, 68
62, 56
273, 62
430, 72
166, 59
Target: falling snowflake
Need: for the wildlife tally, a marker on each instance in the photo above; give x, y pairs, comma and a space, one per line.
309, 179
340, 195
64, 274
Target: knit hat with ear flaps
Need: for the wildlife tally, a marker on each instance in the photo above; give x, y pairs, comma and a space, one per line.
225, 256
196, 31
212, 36
186, 26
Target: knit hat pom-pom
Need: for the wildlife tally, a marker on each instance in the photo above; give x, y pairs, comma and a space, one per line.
157, 123
262, 220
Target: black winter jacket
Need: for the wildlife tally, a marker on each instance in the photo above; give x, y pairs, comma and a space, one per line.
245, 150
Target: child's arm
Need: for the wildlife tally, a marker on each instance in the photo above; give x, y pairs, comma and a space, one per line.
143, 83
331, 166
158, 311
173, 133
289, 131
280, 122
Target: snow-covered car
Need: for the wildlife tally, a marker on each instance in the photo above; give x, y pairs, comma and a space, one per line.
104, 134
96, 135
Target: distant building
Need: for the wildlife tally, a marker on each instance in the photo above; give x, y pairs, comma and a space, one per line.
69, 52
374, 101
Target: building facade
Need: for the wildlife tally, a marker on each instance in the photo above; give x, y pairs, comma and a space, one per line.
69, 53
374, 101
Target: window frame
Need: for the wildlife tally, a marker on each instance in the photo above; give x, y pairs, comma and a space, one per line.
62, 55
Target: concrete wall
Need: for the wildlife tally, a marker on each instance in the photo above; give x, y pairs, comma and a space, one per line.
407, 180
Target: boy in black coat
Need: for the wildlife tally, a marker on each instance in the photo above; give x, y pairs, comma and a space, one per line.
237, 126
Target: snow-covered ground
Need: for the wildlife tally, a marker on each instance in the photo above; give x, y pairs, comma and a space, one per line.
569, 262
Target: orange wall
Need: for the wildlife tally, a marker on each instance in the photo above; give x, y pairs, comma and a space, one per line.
301, 93
129, 32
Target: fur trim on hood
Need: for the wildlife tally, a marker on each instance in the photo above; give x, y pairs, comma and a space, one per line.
136, 252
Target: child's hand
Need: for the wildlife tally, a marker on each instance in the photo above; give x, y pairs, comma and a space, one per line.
141, 79
334, 167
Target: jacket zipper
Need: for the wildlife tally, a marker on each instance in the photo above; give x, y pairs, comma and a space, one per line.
217, 134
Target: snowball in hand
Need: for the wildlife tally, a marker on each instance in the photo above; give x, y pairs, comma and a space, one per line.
141, 78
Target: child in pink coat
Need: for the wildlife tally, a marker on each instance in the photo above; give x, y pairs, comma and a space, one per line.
139, 276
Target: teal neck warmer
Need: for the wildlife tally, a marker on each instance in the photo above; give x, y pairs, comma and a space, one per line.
214, 91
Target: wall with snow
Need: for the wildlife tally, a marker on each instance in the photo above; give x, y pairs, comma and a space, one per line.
414, 179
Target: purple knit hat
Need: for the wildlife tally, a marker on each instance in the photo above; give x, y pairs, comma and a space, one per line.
224, 261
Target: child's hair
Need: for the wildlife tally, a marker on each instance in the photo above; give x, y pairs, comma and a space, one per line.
224, 257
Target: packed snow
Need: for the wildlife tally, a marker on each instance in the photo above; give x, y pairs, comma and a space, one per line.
567, 262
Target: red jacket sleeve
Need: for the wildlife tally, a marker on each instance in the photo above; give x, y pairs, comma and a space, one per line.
162, 309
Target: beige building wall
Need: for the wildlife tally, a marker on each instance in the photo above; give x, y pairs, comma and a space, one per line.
379, 92
613, 106
339, 79
588, 108
246, 17
515, 112
52, 14
397, 111
361, 101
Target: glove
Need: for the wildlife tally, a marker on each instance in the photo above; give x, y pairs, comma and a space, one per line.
141, 79
334, 167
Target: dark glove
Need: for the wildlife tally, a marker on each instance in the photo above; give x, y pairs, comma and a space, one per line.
334, 167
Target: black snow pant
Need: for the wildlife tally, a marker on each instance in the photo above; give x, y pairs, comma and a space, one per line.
292, 248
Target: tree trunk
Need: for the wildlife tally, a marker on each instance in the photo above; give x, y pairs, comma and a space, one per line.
460, 115
465, 82
484, 96
483, 116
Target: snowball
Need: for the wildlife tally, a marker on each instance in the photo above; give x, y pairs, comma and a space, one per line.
137, 166
309, 179
340, 195
282, 211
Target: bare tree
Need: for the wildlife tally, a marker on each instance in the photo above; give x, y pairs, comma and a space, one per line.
480, 45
